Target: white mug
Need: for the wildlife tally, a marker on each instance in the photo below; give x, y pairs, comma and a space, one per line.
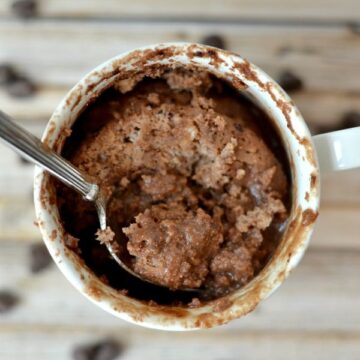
334, 151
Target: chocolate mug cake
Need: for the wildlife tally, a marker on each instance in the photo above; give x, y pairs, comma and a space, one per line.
198, 182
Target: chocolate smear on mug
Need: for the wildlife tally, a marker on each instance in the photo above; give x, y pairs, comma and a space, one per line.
309, 216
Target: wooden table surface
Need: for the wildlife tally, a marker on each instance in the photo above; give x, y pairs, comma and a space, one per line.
316, 313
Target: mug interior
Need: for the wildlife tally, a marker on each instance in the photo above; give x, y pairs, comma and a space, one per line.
287, 122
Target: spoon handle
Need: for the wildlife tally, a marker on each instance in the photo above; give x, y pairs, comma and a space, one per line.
34, 150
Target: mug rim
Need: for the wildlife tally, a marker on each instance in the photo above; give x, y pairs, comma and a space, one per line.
297, 142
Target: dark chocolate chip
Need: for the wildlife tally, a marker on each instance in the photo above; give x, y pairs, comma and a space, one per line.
107, 349
350, 120
24, 161
85, 352
285, 50
40, 258
7, 74
290, 81
321, 129
24, 9
354, 27
21, 87
8, 300
215, 41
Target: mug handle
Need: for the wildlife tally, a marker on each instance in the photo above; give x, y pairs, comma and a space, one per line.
338, 150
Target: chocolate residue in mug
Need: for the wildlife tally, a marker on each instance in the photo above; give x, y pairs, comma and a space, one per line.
309, 217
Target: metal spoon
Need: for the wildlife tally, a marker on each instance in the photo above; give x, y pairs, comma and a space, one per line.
34, 150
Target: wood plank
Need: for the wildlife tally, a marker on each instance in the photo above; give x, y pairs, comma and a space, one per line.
17, 219
322, 294
338, 225
325, 107
36, 109
330, 10
325, 57
154, 345
16, 176
342, 187
318, 107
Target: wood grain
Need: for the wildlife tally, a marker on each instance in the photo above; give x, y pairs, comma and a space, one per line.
36, 109
325, 107
321, 294
338, 225
247, 345
324, 57
302, 10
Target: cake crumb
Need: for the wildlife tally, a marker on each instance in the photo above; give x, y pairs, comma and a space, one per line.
125, 85
240, 174
152, 303
195, 303
124, 182
154, 98
105, 236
